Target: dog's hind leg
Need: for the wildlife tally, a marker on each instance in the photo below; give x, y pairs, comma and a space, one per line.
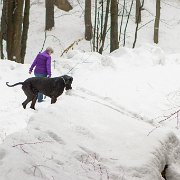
24, 104
30, 95
34, 102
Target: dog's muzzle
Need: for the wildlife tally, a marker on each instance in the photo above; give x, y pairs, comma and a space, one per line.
68, 87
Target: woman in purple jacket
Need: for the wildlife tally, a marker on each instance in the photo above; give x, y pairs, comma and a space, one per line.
42, 64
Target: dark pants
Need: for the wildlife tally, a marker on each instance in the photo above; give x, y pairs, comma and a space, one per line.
40, 95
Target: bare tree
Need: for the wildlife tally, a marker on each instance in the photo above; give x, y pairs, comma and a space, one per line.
125, 29
156, 24
25, 30
120, 29
14, 29
114, 44
49, 14
87, 19
3, 29
95, 24
4, 20
138, 11
105, 27
137, 23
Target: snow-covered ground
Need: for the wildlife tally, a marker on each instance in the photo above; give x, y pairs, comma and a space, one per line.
105, 128
108, 126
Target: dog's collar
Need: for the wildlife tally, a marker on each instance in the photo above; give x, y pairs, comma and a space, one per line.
63, 80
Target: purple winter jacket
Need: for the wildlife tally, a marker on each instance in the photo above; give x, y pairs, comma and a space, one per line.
42, 63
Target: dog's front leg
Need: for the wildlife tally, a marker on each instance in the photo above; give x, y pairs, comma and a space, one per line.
53, 100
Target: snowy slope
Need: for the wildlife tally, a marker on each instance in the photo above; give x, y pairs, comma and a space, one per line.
103, 128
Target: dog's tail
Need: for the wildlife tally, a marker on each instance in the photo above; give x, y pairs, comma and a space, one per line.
7, 83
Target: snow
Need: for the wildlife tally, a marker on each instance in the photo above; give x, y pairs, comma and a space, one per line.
108, 126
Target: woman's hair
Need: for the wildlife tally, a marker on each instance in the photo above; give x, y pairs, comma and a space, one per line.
49, 50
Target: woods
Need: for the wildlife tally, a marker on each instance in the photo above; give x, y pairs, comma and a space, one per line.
106, 24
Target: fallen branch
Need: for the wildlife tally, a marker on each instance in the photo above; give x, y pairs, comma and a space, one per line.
168, 117
71, 46
33, 143
176, 114
22, 144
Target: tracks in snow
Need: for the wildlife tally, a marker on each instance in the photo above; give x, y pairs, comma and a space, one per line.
108, 102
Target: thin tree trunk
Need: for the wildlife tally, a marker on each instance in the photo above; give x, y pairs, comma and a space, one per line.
87, 18
122, 21
49, 15
25, 30
137, 25
102, 18
1, 45
105, 27
10, 5
156, 24
95, 22
3, 33
127, 22
4, 20
114, 44
138, 11
97, 33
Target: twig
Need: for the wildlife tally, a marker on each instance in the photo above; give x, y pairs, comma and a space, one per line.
71, 46
145, 24
170, 5
45, 37
168, 117
153, 130
22, 144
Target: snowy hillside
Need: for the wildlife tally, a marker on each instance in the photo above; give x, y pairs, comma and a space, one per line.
116, 123
105, 128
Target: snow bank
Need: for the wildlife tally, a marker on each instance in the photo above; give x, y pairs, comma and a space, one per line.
105, 128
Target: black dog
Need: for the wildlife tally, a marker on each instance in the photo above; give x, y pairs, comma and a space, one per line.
51, 87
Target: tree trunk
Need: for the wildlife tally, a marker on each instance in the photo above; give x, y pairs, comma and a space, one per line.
138, 11
95, 23
4, 20
1, 45
137, 26
14, 27
121, 21
87, 18
105, 27
156, 24
125, 29
10, 29
49, 15
25, 30
114, 26
3, 31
